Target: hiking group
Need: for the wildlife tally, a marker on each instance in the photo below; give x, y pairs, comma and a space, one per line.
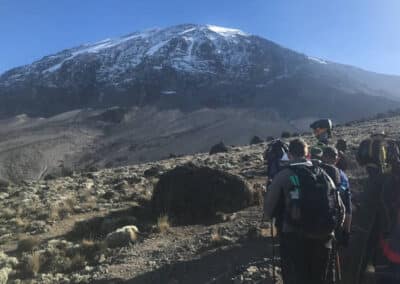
309, 200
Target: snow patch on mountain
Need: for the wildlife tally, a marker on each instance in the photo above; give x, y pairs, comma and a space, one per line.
317, 60
153, 50
226, 32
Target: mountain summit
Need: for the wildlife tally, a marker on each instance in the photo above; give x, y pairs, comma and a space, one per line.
190, 67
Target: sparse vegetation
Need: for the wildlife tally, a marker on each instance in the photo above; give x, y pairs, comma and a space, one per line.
31, 264
7, 213
90, 248
218, 239
163, 224
33, 208
215, 238
19, 222
78, 261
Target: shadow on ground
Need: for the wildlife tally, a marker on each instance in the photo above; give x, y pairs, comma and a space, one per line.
217, 267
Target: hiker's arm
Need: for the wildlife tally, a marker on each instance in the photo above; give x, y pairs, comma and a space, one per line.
346, 198
349, 215
347, 223
349, 210
273, 194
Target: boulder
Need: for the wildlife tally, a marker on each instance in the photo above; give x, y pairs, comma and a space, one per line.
190, 194
4, 184
112, 115
4, 272
256, 140
122, 236
218, 148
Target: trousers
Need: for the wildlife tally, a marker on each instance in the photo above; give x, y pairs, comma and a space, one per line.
304, 260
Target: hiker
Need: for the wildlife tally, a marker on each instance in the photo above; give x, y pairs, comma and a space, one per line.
300, 195
276, 156
341, 146
330, 158
322, 130
381, 158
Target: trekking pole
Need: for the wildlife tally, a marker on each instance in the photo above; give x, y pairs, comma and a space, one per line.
338, 267
273, 252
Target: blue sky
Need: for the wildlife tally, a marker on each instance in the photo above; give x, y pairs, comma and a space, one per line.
364, 33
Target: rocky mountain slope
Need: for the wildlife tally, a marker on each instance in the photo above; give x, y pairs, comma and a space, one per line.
177, 90
57, 231
32, 148
190, 67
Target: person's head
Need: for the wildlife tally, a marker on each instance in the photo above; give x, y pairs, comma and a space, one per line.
330, 155
316, 153
298, 149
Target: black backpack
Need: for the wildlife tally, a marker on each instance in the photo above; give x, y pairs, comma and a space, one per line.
333, 172
315, 205
273, 155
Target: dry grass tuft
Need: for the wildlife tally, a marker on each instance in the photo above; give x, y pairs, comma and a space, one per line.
53, 213
66, 207
61, 210
88, 243
216, 238
163, 224
70, 203
19, 222
89, 203
32, 264
90, 248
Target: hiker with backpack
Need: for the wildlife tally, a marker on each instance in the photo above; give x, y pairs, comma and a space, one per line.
330, 159
305, 198
381, 157
276, 156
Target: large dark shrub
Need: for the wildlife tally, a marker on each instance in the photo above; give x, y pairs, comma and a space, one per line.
192, 194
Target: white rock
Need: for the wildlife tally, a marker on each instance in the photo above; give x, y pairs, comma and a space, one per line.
122, 236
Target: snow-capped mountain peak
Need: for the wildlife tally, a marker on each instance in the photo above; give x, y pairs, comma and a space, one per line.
184, 66
185, 48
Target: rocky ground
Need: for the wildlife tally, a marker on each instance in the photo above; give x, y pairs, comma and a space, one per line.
66, 230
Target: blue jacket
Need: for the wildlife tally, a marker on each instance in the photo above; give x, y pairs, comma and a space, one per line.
345, 192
